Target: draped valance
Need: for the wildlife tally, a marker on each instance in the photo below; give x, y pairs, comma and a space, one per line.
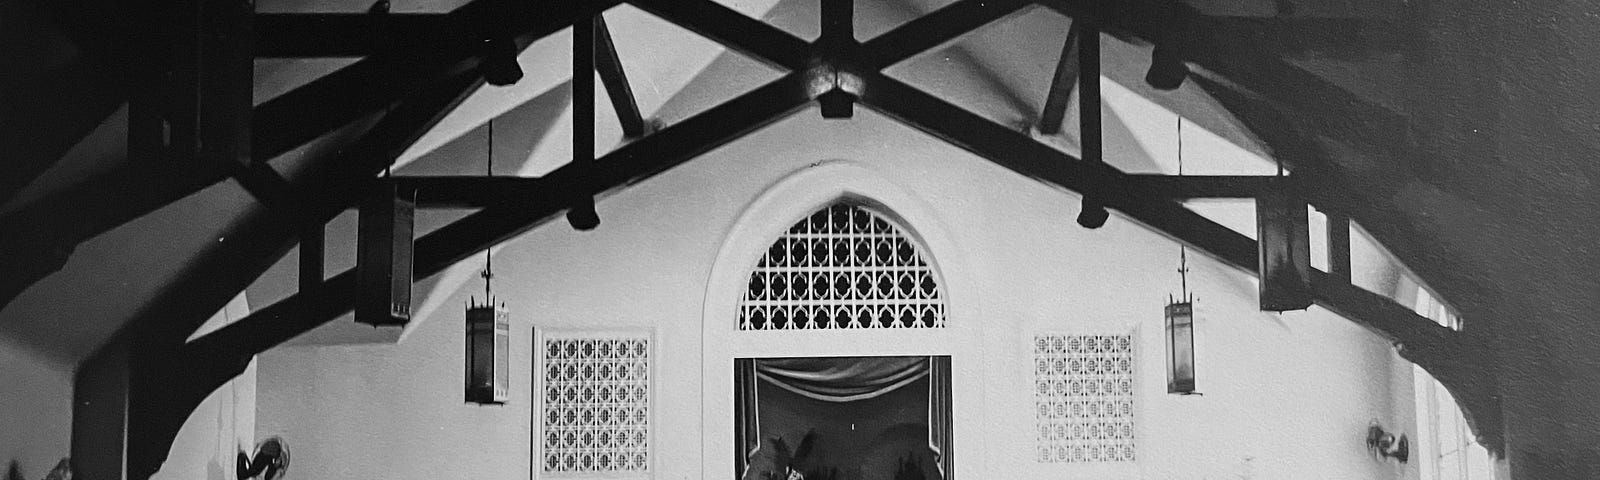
832, 380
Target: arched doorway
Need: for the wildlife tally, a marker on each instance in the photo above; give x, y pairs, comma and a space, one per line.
827, 308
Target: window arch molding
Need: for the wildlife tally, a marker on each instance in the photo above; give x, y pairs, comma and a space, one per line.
801, 193
794, 196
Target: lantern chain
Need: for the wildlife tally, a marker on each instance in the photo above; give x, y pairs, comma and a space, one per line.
488, 252
1183, 250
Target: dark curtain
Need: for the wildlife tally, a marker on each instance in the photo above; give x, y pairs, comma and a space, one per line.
830, 380
747, 418
939, 417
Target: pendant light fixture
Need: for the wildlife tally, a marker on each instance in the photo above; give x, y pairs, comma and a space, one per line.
1180, 317
1283, 243
488, 332
384, 244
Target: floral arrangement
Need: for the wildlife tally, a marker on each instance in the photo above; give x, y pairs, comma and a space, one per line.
785, 463
793, 464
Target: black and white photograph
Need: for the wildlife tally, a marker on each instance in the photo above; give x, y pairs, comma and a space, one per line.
799, 239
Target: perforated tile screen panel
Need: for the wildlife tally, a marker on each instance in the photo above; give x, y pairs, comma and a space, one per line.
1083, 398
843, 267
596, 404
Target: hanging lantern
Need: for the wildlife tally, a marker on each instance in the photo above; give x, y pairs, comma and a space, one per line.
488, 366
383, 255
1283, 240
1180, 317
1180, 346
488, 329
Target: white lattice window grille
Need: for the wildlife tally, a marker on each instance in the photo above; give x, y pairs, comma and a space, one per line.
1083, 398
596, 405
845, 266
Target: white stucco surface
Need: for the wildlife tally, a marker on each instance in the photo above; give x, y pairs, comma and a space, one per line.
1286, 396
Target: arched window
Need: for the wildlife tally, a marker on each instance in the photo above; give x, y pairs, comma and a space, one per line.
844, 266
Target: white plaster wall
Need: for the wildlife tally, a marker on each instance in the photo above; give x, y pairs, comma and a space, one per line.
1286, 396
395, 411
223, 423
35, 409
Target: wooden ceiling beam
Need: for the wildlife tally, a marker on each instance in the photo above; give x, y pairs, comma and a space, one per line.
1055, 102
615, 78
1339, 247
471, 191
1017, 152
327, 103
581, 213
1431, 346
934, 29
1089, 104
755, 38
348, 34
193, 109
172, 380
838, 29
1199, 186
278, 125
540, 203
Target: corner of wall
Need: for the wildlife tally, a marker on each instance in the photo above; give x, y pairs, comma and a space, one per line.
36, 397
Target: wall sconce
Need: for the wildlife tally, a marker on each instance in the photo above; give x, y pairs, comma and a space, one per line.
835, 90
1383, 444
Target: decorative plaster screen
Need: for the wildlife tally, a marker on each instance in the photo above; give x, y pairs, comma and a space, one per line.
843, 267
1083, 398
596, 406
